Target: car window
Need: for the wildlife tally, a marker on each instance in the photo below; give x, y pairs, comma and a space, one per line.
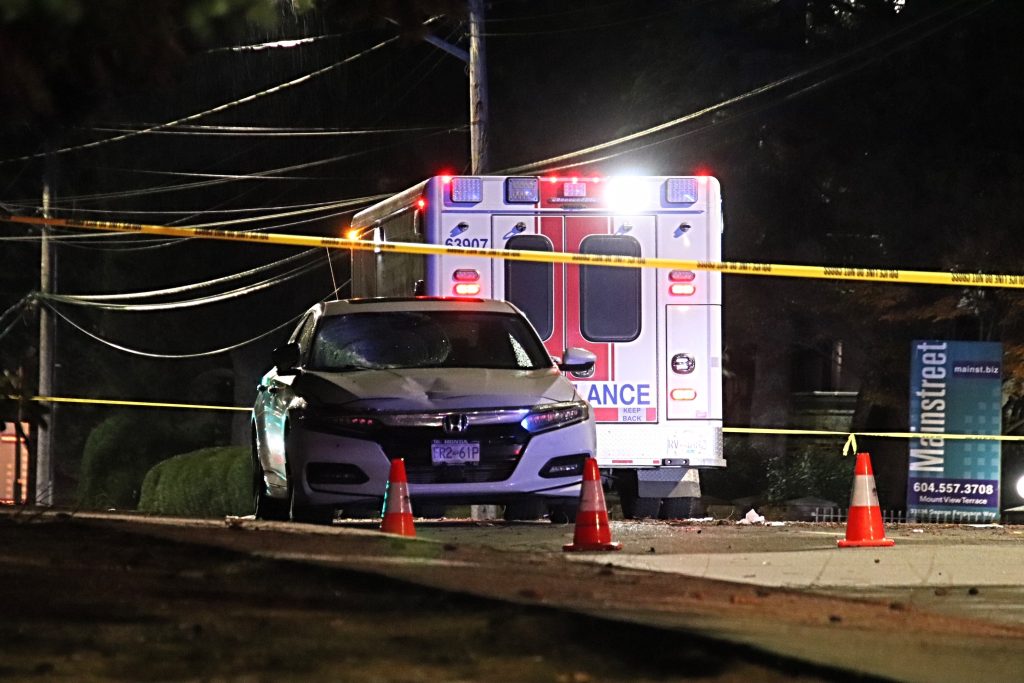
425, 339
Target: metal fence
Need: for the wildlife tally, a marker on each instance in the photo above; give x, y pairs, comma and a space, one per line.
839, 515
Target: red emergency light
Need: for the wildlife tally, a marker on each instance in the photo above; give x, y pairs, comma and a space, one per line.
572, 179
682, 276
466, 275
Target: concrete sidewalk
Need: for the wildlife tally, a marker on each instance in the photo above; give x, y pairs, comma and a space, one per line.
904, 565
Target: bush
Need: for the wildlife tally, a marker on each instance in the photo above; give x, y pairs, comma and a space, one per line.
211, 482
817, 469
745, 474
124, 447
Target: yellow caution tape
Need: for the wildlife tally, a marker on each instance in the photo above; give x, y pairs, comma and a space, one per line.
728, 267
885, 435
851, 437
144, 404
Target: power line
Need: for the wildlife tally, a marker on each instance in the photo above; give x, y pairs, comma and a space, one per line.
188, 303
347, 203
184, 356
20, 308
197, 285
258, 175
285, 43
171, 212
554, 163
219, 108
153, 244
268, 131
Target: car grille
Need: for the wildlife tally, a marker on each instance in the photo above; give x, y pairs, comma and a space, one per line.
409, 435
500, 448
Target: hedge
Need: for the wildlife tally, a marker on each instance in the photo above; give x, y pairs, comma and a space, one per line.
122, 449
211, 482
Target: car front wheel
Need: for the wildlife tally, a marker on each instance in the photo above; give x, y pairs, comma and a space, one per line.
304, 513
264, 506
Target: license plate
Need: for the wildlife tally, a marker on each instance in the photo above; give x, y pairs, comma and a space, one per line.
455, 452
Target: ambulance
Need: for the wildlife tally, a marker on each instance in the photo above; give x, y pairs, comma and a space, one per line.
656, 389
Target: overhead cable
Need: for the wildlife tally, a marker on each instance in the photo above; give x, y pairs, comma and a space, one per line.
257, 175
172, 212
188, 303
197, 285
183, 356
348, 203
133, 245
554, 162
284, 43
271, 131
219, 108
355, 201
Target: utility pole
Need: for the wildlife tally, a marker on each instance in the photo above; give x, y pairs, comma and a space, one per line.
43, 488
478, 109
476, 60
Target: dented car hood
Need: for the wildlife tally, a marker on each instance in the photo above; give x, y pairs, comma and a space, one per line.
430, 389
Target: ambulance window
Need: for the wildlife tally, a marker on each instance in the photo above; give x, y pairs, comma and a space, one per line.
610, 296
528, 286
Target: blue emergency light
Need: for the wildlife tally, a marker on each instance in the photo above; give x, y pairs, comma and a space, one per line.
681, 191
467, 189
522, 190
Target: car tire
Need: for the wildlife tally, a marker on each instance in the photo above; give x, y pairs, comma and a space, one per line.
563, 513
524, 510
300, 511
264, 505
310, 514
633, 505
638, 507
680, 508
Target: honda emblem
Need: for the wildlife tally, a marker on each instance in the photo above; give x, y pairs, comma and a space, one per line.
456, 423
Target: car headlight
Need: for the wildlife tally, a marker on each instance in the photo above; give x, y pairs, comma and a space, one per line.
556, 415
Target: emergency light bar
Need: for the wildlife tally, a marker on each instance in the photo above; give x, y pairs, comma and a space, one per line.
522, 190
466, 189
466, 282
681, 191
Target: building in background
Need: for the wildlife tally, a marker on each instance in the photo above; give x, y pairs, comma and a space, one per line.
13, 466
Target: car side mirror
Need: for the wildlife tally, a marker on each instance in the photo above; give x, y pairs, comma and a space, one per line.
577, 361
286, 358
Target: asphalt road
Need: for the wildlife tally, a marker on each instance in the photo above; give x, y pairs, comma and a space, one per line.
243, 600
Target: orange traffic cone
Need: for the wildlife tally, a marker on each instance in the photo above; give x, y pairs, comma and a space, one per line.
864, 523
397, 506
592, 531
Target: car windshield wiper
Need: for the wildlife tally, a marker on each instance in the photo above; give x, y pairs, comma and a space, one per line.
348, 368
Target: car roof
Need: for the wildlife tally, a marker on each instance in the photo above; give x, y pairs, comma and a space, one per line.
419, 303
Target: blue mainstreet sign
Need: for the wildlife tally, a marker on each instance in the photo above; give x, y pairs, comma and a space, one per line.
955, 388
